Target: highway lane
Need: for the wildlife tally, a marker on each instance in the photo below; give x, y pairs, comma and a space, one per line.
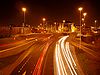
29, 39
65, 63
49, 55
16, 49
58, 60
62, 58
47, 67
11, 42
20, 57
16, 43
29, 63
8, 56
35, 60
8, 69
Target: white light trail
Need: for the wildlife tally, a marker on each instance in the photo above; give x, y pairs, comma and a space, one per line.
58, 67
66, 56
67, 48
64, 59
62, 63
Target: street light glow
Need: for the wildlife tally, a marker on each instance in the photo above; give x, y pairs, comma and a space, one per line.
43, 19
84, 14
24, 9
55, 23
95, 21
82, 19
80, 9
63, 21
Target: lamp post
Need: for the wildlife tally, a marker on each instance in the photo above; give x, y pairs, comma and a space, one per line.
95, 23
55, 23
63, 21
83, 21
44, 19
24, 10
80, 9
63, 25
84, 14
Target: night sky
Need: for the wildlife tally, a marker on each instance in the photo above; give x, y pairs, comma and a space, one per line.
52, 10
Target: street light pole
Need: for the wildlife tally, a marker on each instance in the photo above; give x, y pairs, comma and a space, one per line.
95, 23
24, 18
55, 25
80, 9
84, 14
63, 25
44, 22
24, 10
83, 21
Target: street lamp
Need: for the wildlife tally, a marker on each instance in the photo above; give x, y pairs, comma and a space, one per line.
63, 25
95, 23
63, 21
80, 9
44, 19
55, 23
83, 21
24, 10
84, 14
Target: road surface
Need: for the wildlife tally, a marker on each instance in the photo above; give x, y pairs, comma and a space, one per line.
39, 54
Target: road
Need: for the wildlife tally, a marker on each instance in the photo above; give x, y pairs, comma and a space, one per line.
39, 54
22, 57
21, 52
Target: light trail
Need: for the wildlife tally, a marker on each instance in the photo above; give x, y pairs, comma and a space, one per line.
38, 68
58, 66
67, 48
66, 56
65, 64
